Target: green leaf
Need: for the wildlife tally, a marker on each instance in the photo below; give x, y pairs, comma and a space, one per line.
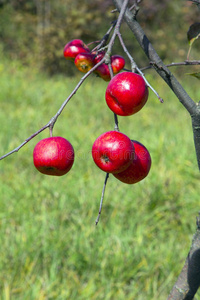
193, 32
197, 75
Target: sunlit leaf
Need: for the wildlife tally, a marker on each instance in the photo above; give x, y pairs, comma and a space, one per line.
193, 32
197, 75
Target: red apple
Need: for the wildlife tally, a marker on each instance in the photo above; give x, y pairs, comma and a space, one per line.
73, 48
84, 62
103, 72
126, 93
140, 166
117, 63
53, 156
113, 152
98, 56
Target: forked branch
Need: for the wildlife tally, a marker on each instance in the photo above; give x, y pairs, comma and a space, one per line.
189, 279
53, 120
156, 61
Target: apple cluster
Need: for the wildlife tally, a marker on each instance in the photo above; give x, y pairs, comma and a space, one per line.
84, 59
113, 152
128, 160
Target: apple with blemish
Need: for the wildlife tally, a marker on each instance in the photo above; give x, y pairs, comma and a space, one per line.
84, 62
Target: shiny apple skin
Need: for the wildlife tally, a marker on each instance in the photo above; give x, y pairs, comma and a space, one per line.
113, 152
53, 156
126, 93
117, 63
140, 166
73, 48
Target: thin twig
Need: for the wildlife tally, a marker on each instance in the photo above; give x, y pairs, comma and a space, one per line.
102, 197
133, 64
51, 123
26, 141
115, 116
107, 61
105, 37
135, 67
53, 120
185, 63
153, 56
175, 64
117, 26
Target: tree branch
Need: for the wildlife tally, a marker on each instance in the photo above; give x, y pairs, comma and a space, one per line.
189, 280
53, 120
105, 59
177, 64
185, 63
192, 107
155, 60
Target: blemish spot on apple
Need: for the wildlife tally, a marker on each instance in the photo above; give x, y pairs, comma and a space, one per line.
105, 159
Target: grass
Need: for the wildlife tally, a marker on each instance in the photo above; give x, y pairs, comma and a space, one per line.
50, 246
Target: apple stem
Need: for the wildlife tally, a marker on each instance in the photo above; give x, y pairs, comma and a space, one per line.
188, 54
110, 68
116, 122
102, 196
51, 131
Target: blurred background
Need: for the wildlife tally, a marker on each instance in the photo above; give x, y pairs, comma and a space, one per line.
35, 31
50, 247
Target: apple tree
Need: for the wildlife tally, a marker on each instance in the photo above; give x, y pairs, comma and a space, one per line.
127, 92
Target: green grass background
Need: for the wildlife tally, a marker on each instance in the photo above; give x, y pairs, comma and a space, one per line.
50, 247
